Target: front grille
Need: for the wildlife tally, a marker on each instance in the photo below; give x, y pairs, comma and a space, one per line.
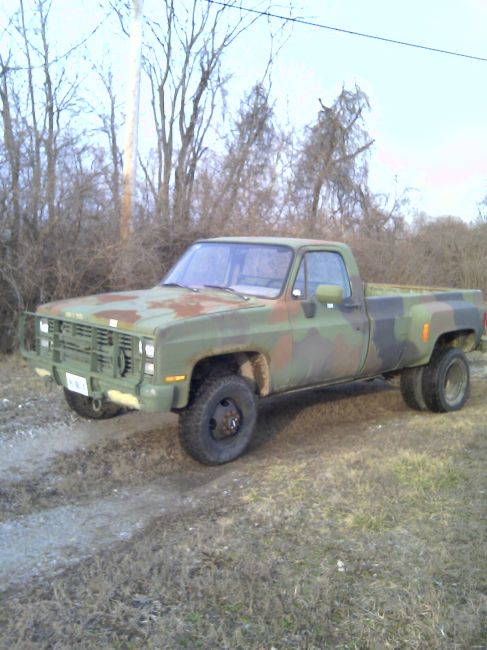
92, 349
125, 357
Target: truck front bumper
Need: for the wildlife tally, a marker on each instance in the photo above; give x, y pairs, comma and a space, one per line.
145, 397
157, 398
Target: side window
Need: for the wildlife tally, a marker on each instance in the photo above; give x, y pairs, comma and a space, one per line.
321, 267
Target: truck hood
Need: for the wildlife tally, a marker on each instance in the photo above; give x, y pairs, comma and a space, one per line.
145, 311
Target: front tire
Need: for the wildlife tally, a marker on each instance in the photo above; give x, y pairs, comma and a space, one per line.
84, 406
218, 425
446, 380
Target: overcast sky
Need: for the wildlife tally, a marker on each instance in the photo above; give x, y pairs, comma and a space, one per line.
428, 111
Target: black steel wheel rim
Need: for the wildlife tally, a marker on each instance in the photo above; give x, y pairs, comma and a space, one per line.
226, 420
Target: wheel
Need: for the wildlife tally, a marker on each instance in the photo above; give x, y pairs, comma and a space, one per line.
85, 406
446, 380
412, 388
219, 423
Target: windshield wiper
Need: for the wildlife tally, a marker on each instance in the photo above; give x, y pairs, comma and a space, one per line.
229, 289
181, 286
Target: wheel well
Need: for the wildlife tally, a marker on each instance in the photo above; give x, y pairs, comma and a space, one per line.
463, 339
251, 365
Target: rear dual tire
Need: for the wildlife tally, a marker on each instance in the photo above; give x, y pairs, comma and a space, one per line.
441, 386
446, 381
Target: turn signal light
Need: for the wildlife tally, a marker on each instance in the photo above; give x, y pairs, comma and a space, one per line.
173, 378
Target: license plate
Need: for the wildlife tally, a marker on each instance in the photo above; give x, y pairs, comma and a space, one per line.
77, 384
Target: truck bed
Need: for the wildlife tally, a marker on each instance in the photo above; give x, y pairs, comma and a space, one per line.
412, 317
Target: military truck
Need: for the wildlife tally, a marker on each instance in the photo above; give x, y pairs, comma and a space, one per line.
238, 319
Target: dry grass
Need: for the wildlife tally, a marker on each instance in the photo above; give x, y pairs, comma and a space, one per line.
331, 535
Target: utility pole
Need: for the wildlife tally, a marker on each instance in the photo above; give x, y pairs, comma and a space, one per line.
132, 122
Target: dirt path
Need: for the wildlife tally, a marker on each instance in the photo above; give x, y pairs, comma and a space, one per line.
32, 448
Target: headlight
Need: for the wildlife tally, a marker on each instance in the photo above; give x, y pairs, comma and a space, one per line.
149, 348
44, 326
149, 368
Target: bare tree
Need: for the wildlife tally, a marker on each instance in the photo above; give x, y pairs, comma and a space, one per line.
12, 152
381, 214
482, 208
50, 112
243, 184
332, 166
50, 176
183, 64
110, 129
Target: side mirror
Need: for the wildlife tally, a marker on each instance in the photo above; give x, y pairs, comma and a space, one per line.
329, 294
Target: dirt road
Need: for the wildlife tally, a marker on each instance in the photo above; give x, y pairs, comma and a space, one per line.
73, 490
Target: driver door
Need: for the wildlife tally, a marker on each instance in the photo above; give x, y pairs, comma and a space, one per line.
330, 340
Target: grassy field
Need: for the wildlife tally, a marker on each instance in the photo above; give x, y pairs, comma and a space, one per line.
340, 531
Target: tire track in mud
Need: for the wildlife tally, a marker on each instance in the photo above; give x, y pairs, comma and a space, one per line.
91, 460
39, 445
46, 542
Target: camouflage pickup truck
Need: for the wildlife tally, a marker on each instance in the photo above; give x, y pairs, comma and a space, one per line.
237, 319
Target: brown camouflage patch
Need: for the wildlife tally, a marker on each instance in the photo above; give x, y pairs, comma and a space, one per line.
129, 316
191, 307
282, 352
280, 312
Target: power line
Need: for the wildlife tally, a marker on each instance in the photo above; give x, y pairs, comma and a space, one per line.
300, 21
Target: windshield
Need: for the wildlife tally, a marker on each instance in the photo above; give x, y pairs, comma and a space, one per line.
253, 269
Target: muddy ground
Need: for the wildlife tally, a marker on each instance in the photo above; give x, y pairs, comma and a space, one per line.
111, 537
